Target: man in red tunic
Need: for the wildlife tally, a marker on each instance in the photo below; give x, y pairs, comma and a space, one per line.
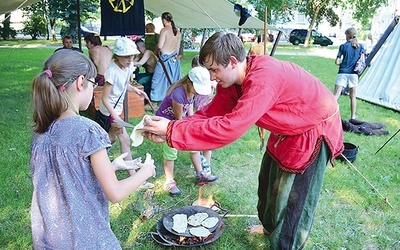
301, 114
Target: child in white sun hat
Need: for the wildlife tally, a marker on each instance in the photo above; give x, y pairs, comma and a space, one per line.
178, 104
117, 82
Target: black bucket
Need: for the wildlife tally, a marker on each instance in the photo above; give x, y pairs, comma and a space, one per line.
350, 152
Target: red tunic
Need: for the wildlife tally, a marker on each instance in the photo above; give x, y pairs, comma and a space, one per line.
279, 96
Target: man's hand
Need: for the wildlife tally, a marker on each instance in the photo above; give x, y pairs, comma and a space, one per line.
155, 128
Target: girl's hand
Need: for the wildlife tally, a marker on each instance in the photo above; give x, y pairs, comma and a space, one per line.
148, 166
118, 129
120, 164
142, 94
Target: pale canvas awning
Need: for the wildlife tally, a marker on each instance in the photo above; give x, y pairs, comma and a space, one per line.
202, 14
186, 13
7, 6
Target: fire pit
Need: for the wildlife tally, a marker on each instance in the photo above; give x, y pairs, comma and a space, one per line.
166, 236
207, 202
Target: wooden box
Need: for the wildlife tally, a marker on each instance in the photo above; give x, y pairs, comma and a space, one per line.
135, 105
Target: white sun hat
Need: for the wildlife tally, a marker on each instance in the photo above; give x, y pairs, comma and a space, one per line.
201, 80
125, 47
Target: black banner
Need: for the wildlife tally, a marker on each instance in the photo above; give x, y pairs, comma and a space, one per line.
122, 17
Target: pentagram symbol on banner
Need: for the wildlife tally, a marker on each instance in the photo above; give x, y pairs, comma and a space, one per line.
121, 5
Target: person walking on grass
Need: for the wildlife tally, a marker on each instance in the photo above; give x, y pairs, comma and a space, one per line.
117, 82
178, 104
347, 57
73, 178
301, 114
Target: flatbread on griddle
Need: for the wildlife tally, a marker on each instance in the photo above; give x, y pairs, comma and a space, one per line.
210, 222
196, 219
179, 223
199, 231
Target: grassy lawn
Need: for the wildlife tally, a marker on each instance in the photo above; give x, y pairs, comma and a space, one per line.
351, 214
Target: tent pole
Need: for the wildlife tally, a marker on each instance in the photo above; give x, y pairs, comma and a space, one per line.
265, 31
78, 11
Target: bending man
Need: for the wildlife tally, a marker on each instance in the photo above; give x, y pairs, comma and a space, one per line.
299, 111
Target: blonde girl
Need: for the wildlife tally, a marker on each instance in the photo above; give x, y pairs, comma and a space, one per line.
347, 57
73, 178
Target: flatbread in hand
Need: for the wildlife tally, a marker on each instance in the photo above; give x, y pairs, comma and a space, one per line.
136, 136
199, 231
196, 219
179, 223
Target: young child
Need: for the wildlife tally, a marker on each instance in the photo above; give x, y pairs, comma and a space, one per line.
199, 102
117, 82
176, 105
73, 178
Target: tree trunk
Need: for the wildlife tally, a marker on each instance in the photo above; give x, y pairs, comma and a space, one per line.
53, 29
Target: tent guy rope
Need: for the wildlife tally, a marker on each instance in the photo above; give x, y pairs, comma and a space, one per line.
373, 187
212, 19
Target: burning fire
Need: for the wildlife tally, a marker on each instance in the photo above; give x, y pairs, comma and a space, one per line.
205, 202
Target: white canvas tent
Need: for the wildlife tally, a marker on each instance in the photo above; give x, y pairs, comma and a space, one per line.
381, 82
186, 13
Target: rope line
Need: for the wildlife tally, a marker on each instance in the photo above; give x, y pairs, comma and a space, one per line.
212, 19
376, 190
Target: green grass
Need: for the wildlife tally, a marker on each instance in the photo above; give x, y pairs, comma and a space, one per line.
350, 215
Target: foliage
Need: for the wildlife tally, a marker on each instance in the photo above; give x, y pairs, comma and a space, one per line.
364, 10
277, 11
67, 12
316, 11
6, 31
35, 24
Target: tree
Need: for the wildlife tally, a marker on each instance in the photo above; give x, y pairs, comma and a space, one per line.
277, 10
316, 11
364, 10
6, 31
67, 11
36, 23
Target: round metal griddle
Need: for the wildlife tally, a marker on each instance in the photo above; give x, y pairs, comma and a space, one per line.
189, 210
166, 238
